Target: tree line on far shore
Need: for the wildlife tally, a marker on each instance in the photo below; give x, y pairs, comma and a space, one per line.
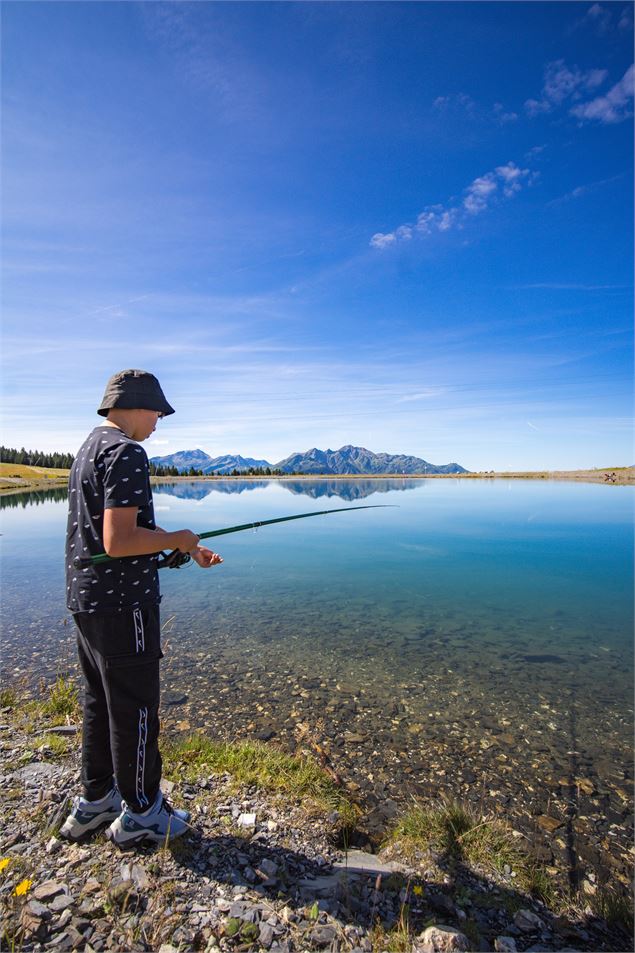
64, 461
36, 458
193, 472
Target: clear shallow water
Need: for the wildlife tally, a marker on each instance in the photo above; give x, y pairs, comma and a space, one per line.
477, 639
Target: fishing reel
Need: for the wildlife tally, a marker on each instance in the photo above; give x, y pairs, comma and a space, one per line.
173, 560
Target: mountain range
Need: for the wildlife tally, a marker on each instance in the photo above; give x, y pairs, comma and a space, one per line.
347, 459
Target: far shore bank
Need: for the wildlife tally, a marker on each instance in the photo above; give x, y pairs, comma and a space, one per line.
616, 476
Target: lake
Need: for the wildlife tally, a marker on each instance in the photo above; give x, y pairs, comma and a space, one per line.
475, 639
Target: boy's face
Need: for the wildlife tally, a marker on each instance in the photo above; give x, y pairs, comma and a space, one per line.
145, 423
138, 424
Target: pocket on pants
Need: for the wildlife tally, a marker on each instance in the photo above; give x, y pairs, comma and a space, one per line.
131, 661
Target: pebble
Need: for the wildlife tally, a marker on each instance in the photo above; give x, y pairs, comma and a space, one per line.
528, 922
61, 902
48, 890
505, 944
441, 939
322, 936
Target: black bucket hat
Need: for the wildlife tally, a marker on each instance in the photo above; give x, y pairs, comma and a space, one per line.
134, 390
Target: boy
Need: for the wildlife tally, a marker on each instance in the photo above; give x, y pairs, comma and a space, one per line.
116, 609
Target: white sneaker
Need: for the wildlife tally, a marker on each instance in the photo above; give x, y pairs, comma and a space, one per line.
159, 824
88, 816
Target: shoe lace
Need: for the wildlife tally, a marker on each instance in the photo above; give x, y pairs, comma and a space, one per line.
167, 807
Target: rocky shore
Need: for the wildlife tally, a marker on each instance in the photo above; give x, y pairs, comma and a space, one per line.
262, 868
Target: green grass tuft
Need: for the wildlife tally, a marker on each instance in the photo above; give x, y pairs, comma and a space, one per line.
255, 762
8, 697
58, 745
63, 698
616, 909
453, 829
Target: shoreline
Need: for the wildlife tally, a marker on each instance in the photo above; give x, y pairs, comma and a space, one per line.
268, 864
619, 476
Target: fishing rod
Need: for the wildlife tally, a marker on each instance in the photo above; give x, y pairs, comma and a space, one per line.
176, 559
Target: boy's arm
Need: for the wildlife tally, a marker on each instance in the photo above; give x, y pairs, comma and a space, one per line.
122, 536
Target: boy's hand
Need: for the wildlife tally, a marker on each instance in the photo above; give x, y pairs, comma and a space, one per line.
205, 557
187, 540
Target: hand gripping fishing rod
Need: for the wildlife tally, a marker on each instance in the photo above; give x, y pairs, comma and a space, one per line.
176, 559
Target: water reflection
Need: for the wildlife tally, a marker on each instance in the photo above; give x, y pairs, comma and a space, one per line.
348, 490
197, 490
33, 497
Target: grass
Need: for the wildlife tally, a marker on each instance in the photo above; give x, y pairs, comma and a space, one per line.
37, 473
8, 697
56, 744
453, 829
54, 705
399, 938
616, 909
63, 698
255, 762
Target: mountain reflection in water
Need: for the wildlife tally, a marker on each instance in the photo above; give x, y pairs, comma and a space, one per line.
348, 490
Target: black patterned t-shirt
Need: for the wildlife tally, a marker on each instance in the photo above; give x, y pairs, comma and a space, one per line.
110, 470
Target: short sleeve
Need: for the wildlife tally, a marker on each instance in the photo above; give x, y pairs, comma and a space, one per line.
125, 477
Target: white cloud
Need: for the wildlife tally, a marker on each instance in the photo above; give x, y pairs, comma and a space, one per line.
599, 16
614, 106
503, 116
503, 182
562, 83
479, 192
586, 189
455, 101
601, 19
379, 240
461, 104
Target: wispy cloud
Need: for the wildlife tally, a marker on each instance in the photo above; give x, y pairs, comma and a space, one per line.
562, 83
206, 55
614, 106
605, 21
466, 105
599, 17
455, 101
581, 190
502, 183
567, 87
571, 286
421, 395
503, 115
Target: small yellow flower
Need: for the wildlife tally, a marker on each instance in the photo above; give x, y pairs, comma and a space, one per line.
23, 887
4, 863
418, 891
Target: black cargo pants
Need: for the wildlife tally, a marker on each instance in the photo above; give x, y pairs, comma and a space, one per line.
119, 654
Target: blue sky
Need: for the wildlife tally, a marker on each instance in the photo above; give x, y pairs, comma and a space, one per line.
402, 226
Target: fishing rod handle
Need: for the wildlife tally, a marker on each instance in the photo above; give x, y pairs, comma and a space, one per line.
173, 560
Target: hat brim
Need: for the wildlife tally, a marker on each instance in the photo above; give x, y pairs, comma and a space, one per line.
135, 401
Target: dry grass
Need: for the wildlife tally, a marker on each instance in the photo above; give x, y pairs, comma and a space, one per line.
33, 473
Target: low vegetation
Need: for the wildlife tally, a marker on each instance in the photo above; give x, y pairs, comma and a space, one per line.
27, 472
260, 764
455, 831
